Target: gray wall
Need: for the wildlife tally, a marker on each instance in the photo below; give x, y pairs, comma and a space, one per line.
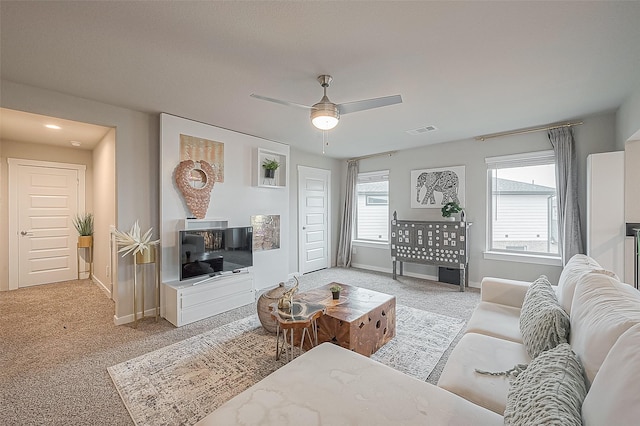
337, 167
104, 208
137, 153
597, 134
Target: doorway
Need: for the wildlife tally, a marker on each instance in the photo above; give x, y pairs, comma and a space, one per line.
44, 197
313, 218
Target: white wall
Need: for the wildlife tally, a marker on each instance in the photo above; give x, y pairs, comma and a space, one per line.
597, 134
631, 202
632, 181
337, 168
628, 119
628, 138
136, 160
236, 199
104, 208
605, 216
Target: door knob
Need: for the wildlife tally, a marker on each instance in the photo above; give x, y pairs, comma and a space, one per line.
25, 233
304, 227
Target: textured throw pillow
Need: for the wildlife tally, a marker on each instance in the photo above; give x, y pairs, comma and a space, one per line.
543, 322
549, 392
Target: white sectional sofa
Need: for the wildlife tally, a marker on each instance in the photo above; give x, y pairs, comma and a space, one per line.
330, 385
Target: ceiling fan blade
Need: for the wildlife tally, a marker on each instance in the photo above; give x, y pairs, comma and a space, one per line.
278, 101
356, 106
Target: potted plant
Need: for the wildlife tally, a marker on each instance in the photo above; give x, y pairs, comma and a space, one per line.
270, 167
335, 291
140, 246
84, 225
449, 209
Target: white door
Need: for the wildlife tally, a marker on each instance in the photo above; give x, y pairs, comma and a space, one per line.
313, 218
44, 198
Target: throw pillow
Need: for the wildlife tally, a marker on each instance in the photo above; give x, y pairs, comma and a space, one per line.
543, 322
549, 392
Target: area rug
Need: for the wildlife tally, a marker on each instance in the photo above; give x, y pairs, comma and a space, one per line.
183, 382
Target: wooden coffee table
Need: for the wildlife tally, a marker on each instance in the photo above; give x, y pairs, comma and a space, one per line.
361, 320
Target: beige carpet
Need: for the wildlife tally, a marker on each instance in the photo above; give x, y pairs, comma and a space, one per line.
57, 341
183, 382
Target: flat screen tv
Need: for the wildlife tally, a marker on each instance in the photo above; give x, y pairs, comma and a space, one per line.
210, 252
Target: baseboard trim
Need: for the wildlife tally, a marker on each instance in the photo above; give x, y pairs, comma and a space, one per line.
126, 319
371, 268
390, 271
405, 273
101, 285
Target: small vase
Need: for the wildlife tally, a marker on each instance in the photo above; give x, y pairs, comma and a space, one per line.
450, 219
336, 295
269, 173
146, 256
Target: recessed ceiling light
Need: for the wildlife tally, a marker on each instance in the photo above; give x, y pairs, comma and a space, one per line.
52, 126
75, 143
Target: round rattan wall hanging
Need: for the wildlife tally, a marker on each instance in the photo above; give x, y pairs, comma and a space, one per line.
195, 181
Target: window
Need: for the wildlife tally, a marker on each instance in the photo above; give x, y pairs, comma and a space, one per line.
372, 211
523, 204
377, 200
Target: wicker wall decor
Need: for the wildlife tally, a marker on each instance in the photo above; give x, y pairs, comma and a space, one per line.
197, 198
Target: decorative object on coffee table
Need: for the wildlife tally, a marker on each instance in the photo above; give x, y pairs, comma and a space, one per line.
286, 301
298, 316
335, 291
266, 299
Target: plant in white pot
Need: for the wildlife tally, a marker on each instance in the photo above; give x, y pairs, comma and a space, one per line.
449, 209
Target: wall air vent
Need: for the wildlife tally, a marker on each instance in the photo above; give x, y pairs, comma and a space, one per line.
422, 130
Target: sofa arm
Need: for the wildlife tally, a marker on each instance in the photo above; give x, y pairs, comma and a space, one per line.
504, 291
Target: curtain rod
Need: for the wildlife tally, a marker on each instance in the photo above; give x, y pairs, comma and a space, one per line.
388, 153
528, 130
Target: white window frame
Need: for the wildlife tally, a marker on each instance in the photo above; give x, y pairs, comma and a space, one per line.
371, 243
509, 161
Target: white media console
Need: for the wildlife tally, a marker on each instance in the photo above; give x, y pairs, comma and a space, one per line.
189, 301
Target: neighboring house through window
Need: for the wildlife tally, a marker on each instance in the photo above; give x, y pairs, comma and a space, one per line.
372, 211
523, 204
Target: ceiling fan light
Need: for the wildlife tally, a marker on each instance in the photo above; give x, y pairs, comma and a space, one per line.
324, 116
324, 122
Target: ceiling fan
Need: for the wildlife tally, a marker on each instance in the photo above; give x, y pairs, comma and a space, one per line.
325, 114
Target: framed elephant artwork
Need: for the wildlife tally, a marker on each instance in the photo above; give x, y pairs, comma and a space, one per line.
433, 188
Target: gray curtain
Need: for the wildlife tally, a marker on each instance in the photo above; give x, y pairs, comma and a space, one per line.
348, 216
569, 232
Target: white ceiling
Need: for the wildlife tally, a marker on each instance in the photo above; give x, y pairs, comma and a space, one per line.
468, 68
26, 127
